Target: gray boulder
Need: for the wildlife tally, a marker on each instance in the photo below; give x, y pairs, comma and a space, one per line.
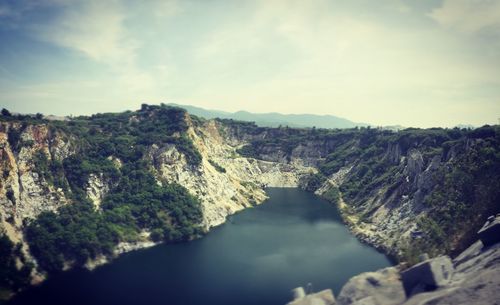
490, 232
382, 287
427, 275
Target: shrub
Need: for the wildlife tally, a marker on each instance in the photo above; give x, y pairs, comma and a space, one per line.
219, 168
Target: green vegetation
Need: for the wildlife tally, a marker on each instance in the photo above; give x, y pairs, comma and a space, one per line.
127, 135
465, 190
463, 193
249, 184
242, 128
75, 234
6, 112
50, 171
135, 203
7, 116
78, 232
314, 181
332, 195
12, 278
217, 166
466, 193
13, 137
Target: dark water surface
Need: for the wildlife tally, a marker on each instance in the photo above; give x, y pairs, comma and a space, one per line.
260, 254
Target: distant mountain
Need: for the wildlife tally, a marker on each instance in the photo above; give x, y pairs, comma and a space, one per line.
275, 119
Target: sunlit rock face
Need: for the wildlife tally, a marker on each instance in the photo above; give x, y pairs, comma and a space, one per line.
222, 193
226, 181
97, 188
25, 193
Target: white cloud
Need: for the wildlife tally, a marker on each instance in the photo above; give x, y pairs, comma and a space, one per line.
468, 16
95, 28
375, 64
358, 67
99, 31
166, 8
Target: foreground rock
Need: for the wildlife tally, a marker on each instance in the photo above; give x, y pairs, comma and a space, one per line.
381, 287
427, 275
476, 280
471, 278
324, 297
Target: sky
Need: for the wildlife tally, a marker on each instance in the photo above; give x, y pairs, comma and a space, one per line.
422, 63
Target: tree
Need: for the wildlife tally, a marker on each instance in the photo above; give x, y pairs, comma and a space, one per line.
6, 112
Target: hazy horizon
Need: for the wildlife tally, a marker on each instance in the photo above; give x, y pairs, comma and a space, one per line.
429, 63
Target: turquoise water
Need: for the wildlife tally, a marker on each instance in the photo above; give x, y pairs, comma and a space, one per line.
294, 238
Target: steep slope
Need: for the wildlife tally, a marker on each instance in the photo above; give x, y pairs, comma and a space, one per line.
225, 182
404, 192
79, 192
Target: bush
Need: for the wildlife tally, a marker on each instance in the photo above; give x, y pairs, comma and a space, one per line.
6, 112
314, 181
332, 195
219, 168
12, 278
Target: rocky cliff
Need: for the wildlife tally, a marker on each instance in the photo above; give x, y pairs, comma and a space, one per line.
46, 165
24, 192
225, 182
160, 175
404, 192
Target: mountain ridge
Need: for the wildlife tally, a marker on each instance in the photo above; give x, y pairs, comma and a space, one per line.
275, 119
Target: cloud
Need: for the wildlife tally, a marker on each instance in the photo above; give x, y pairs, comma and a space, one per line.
331, 60
351, 58
101, 31
95, 29
166, 8
468, 16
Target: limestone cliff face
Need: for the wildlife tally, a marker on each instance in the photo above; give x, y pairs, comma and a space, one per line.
222, 193
24, 194
224, 181
97, 188
384, 214
387, 216
393, 188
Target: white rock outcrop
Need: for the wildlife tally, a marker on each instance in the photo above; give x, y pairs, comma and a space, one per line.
222, 193
97, 188
23, 192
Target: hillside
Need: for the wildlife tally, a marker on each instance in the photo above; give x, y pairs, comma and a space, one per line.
406, 192
79, 192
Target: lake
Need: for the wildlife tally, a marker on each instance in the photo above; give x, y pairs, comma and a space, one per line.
256, 257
